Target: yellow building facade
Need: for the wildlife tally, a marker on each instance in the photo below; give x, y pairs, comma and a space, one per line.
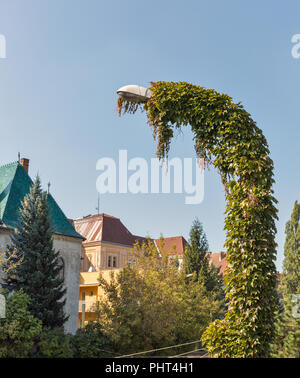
108, 246
89, 295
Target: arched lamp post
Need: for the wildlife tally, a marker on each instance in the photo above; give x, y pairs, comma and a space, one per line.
226, 136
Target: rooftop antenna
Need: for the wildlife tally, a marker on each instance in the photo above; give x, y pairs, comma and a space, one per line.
98, 207
49, 184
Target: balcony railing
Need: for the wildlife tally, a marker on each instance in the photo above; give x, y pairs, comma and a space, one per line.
90, 305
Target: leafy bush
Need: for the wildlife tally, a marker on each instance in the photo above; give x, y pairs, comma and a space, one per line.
91, 342
19, 330
152, 304
53, 343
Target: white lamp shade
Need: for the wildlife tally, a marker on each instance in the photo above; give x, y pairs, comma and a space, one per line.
134, 93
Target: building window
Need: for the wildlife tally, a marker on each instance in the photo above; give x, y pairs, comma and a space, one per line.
81, 263
83, 295
131, 261
61, 265
112, 261
90, 265
92, 293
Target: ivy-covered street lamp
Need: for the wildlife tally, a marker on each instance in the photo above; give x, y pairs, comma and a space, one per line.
226, 136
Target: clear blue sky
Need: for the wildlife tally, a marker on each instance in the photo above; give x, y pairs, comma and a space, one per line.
66, 58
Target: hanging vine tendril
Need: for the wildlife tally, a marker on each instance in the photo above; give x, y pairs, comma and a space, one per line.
226, 136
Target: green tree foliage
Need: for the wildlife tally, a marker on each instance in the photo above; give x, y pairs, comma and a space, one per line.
226, 136
20, 329
290, 278
287, 342
195, 253
38, 274
53, 343
22, 335
91, 342
151, 304
196, 260
9, 261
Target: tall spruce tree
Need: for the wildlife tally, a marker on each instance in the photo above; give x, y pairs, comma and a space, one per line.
196, 260
39, 273
287, 342
195, 252
290, 278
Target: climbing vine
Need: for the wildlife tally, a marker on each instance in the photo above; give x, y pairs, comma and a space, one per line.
226, 136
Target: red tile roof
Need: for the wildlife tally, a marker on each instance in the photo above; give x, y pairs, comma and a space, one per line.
174, 243
178, 243
106, 228
219, 260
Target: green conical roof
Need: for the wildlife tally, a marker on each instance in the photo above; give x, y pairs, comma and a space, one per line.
15, 183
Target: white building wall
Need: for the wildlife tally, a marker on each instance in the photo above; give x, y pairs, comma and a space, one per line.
4, 241
70, 252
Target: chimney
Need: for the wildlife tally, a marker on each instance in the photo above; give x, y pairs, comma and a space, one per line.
222, 256
25, 164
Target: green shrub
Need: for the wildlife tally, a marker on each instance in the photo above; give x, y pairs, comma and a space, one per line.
19, 330
90, 342
53, 343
